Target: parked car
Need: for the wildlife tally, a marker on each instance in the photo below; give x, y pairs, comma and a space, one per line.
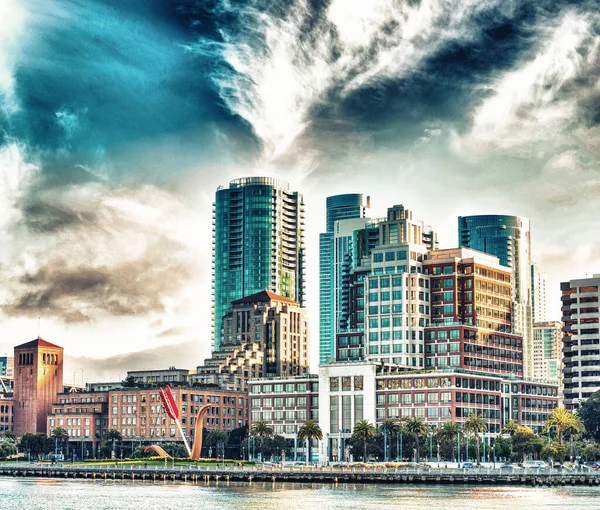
592, 465
535, 464
508, 467
469, 465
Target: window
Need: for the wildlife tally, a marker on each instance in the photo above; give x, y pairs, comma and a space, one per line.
432, 398
448, 283
419, 398
378, 257
334, 384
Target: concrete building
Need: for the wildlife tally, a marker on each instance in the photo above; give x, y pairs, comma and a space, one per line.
285, 404
171, 375
263, 334
539, 299
581, 341
548, 353
139, 416
338, 208
7, 365
258, 244
38, 379
6, 413
471, 313
509, 239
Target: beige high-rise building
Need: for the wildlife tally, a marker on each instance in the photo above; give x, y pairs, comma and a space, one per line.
263, 334
547, 353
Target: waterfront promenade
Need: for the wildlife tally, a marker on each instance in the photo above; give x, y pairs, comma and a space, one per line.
305, 474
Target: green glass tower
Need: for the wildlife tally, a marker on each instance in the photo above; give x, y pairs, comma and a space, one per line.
258, 244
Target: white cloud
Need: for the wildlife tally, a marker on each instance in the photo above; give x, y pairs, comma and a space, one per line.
12, 19
527, 105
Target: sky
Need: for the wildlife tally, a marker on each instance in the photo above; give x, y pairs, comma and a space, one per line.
119, 119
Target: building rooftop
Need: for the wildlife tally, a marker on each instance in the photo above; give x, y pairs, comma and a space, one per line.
263, 297
38, 342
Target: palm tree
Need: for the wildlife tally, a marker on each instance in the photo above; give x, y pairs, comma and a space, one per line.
59, 434
475, 424
310, 430
510, 427
261, 429
561, 420
113, 435
447, 434
416, 427
575, 427
389, 427
217, 438
364, 431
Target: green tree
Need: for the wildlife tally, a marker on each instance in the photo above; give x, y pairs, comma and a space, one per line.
510, 427
112, 436
561, 420
59, 435
589, 413
217, 438
310, 430
7, 449
10, 435
520, 442
502, 447
389, 428
554, 451
364, 431
475, 424
447, 434
261, 429
416, 427
36, 444
129, 382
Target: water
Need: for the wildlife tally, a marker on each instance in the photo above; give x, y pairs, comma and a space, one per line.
49, 494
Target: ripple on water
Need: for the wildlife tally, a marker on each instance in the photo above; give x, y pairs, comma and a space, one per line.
49, 494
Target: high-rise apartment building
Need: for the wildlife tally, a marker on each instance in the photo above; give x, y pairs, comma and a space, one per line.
539, 281
38, 378
263, 335
581, 341
258, 244
7, 365
471, 313
509, 239
338, 209
547, 353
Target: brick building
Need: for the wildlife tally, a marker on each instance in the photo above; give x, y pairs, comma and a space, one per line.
38, 379
285, 404
6, 413
139, 416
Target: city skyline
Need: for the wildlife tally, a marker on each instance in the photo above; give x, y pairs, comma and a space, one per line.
111, 149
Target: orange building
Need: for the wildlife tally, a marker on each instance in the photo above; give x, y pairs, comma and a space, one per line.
38, 376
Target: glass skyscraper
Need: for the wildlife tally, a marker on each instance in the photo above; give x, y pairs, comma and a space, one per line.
339, 207
258, 243
509, 239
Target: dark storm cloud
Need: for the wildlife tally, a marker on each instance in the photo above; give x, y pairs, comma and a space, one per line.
93, 78
107, 255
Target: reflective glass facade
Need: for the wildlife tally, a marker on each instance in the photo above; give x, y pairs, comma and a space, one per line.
509, 239
339, 207
257, 245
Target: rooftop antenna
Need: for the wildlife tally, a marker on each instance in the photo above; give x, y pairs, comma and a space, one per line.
39, 319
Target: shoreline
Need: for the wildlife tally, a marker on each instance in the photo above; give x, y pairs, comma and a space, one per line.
320, 476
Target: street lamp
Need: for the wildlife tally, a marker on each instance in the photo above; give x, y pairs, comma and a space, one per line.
430, 445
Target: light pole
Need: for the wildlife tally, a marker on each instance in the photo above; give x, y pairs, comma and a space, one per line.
430, 445
467, 441
458, 439
384, 445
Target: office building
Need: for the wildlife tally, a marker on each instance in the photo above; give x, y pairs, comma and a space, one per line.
285, 404
258, 244
338, 209
139, 416
509, 239
581, 341
548, 353
471, 313
7, 365
38, 378
539, 281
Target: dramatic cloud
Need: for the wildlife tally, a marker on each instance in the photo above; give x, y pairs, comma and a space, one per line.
118, 121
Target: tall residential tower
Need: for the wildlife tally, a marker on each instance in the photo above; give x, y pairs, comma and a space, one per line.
339, 208
258, 244
509, 239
